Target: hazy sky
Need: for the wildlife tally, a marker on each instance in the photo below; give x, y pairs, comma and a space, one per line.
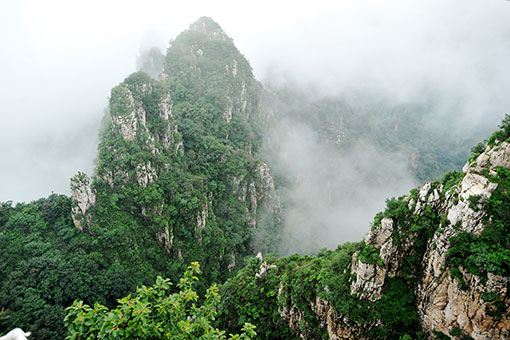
60, 59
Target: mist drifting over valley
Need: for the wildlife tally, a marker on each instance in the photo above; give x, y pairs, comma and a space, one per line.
444, 61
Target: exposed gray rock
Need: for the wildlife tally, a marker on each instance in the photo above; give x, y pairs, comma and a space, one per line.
370, 278
202, 221
232, 263
442, 304
170, 137
257, 192
337, 327
145, 174
266, 189
229, 106
167, 239
129, 124
499, 156
264, 267
83, 199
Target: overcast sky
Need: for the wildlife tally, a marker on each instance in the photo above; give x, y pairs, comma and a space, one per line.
59, 60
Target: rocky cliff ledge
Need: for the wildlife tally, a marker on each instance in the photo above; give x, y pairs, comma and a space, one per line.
443, 303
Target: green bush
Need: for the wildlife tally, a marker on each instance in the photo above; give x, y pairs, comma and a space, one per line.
370, 255
153, 313
489, 251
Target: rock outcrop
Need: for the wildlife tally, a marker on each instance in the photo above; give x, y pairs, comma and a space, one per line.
328, 319
370, 278
258, 192
443, 305
84, 199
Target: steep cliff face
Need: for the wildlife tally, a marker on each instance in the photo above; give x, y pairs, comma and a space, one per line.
469, 302
434, 265
177, 165
84, 199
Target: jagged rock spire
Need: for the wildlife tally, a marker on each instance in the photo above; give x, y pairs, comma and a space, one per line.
210, 27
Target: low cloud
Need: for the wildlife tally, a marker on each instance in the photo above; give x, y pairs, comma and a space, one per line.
332, 196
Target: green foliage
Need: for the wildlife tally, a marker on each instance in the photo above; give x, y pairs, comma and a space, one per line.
505, 126
489, 251
457, 333
496, 306
406, 225
153, 313
301, 282
451, 180
45, 264
440, 336
377, 220
259, 299
208, 77
248, 298
298, 281
370, 255
473, 202
397, 310
499, 135
476, 151
201, 163
396, 209
203, 160
3, 315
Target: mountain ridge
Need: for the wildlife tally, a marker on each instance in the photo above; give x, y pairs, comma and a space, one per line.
196, 126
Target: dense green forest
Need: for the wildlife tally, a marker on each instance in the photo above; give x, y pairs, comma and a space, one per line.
181, 178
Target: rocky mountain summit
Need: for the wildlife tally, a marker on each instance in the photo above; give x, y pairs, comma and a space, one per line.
177, 159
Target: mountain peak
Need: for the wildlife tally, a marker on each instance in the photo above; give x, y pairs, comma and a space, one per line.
208, 26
